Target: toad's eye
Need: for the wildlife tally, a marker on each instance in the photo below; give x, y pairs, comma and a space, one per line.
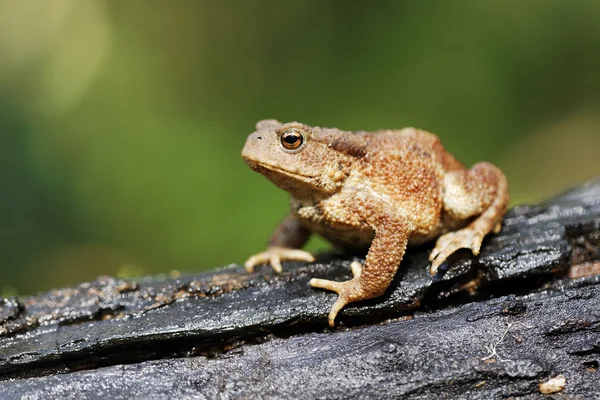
292, 139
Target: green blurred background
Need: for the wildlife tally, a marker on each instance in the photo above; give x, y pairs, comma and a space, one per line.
121, 122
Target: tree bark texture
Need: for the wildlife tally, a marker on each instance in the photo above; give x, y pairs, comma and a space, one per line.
521, 319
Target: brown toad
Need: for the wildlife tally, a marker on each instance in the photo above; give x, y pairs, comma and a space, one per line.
385, 189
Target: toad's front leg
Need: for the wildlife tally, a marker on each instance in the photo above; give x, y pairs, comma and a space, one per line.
285, 244
374, 277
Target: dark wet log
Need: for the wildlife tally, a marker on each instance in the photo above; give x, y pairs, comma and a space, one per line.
524, 311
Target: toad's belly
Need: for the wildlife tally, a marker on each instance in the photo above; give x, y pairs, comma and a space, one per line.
357, 239
348, 238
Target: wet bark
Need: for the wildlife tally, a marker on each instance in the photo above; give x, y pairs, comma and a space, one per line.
498, 325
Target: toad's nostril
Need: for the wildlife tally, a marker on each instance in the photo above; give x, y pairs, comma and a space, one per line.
259, 138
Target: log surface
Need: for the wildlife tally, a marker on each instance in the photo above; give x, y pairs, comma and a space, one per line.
525, 311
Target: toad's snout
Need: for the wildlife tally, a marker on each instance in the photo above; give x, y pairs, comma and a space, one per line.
252, 146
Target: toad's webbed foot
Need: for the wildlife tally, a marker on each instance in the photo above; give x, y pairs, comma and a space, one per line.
448, 243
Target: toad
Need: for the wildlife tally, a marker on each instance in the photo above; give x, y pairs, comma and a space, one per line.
382, 190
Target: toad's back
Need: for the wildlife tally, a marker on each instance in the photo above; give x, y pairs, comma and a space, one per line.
408, 167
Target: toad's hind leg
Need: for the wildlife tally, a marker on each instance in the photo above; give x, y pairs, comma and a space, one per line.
481, 191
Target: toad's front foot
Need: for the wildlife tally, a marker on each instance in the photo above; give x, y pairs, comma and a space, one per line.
274, 256
452, 241
349, 291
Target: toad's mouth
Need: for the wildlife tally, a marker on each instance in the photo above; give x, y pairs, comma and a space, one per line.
261, 167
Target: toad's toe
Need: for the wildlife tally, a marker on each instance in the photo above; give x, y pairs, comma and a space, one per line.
451, 242
274, 256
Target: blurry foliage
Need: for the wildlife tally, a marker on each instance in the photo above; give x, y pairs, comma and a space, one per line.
121, 122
